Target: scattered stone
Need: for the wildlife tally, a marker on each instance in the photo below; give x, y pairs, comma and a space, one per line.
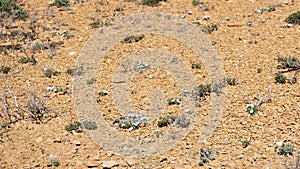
189, 12
181, 17
109, 164
227, 18
131, 161
206, 17
53, 156
198, 22
72, 53
289, 25
52, 88
57, 140
76, 142
91, 163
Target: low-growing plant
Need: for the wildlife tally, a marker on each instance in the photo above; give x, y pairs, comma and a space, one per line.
103, 93
206, 155
284, 149
49, 73
252, 108
209, 28
96, 24
174, 101
232, 81
162, 122
5, 69
132, 122
293, 18
25, 60
288, 63
75, 126
89, 125
55, 163
151, 2
91, 81
245, 143
195, 2
280, 78
12, 8
196, 66
76, 71
60, 3
133, 38
201, 91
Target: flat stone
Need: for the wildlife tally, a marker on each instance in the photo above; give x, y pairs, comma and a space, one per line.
109, 164
131, 161
91, 163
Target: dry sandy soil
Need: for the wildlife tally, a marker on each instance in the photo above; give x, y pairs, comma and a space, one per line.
247, 42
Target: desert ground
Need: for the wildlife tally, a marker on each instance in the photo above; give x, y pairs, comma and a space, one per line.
39, 55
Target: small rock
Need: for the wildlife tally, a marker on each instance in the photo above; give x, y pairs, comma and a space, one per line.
206, 17
91, 163
227, 18
53, 156
131, 161
76, 142
109, 164
289, 25
198, 22
189, 12
72, 53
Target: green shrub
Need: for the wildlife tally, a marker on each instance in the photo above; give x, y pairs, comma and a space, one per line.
49, 73
5, 69
96, 24
55, 163
206, 155
60, 3
202, 90
151, 2
245, 143
284, 149
209, 28
195, 2
163, 122
25, 60
293, 18
280, 78
252, 109
73, 126
174, 101
232, 81
12, 8
133, 38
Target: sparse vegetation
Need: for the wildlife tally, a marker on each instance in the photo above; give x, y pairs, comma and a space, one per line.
280, 78
10, 7
284, 149
103, 93
206, 155
75, 126
91, 81
202, 91
252, 108
163, 122
96, 24
132, 122
61, 3
209, 28
174, 101
232, 81
245, 143
55, 163
133, 38
31, 59
294, 18
195, 2
151, 2
5, 69
196, 66
49, 73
